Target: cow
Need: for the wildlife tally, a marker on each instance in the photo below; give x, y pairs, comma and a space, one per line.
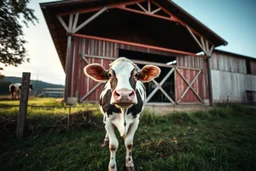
15, 90
121, 102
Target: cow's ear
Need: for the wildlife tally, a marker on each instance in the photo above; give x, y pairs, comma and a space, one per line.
148, 73
96, 72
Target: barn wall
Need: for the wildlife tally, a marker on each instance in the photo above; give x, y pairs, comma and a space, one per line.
231, 85
253, 67
230, 78
231, 63
81, 85
224, 62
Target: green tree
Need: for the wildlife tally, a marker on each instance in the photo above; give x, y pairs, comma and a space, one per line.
12, 14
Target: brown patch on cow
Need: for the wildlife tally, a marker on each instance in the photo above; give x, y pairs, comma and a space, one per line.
112, 147
133, 78
129, 146
112, 79
130, 168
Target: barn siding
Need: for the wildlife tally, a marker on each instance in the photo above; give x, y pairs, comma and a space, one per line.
253, 67
230, 84
230, 78
229, 63
81, 84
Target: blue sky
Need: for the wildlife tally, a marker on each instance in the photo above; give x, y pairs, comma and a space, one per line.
233, 20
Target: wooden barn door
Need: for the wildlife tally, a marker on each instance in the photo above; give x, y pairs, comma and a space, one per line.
188, 85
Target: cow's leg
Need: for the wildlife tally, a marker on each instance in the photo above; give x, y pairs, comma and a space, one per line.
113, 145
129, 144
106, 139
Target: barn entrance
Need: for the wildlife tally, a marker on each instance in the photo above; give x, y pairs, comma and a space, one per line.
175, 85
162, 89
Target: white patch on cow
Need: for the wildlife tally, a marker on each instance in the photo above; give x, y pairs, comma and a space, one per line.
141, 88
16, 85
16, 93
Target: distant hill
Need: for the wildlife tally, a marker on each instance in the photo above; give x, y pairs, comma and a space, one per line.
37, 85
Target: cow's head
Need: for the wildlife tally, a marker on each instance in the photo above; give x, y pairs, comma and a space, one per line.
122, 76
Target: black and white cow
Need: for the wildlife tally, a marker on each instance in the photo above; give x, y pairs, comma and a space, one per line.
121, 102
15, 90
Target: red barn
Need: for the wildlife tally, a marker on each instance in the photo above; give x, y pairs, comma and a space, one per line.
145, 31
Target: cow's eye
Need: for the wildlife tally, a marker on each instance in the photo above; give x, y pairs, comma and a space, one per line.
109, 75
136, 75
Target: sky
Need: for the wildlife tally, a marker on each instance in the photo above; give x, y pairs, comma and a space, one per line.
233, 20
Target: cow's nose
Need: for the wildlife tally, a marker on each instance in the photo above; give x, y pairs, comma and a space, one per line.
124, 95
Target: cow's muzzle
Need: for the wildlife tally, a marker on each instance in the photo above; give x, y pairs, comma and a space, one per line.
123, 98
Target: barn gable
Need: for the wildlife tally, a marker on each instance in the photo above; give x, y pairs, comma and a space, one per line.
159, 23
144, 30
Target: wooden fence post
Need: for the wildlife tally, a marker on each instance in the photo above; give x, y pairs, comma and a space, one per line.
23, 104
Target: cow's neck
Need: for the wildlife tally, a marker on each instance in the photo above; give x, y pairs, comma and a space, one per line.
123, 113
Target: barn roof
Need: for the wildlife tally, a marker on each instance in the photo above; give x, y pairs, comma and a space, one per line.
129, 26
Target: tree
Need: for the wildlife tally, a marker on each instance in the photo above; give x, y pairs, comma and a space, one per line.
12, 14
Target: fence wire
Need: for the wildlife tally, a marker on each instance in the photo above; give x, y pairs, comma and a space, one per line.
45, 117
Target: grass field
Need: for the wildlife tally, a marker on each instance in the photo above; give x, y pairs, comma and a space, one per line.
224, 138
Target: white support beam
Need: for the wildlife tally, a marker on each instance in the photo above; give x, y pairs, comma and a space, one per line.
87, 62
141, 7
91, 91
90, 19
211, 49
75, 22
159, 87
202, 41
207, 47
62, 22
149, 6
156, 10
199, 44
70, 23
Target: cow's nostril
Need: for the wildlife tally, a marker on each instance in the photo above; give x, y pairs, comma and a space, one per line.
117, 94
131, 94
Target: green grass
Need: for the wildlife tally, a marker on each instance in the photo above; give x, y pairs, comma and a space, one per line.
50, 106
221, 139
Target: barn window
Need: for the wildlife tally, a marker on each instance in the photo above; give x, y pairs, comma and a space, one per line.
248, 67
168, 85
